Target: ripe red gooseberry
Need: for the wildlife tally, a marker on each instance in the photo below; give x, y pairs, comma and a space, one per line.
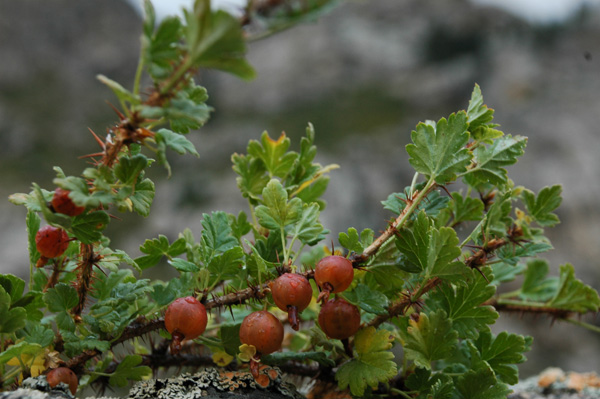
62, 203
339, 319
185, 318
265, 332
62, 374
50, 242
333, 274
292, 293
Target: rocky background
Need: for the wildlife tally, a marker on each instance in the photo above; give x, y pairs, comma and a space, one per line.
364, 75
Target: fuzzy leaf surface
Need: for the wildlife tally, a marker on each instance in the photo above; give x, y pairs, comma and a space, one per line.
439, 151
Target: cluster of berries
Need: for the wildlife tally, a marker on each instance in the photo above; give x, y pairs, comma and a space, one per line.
186, 318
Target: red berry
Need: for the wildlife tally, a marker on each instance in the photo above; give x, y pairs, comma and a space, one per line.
292, 293
63, 374
263, 330
185, 318
62, 203
339, 319
51, 241
333, 274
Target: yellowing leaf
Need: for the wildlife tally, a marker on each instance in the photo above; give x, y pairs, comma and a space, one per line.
372, 365
222, 358
247, 352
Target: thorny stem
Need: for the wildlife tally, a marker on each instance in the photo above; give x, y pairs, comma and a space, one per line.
411, 205
84, 277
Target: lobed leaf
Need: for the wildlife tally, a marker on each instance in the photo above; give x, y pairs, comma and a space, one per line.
481, 384
489, 162
277, 160
428, 339
502, 352
573, 294
463, 305
129, 369
372, 365
438, 151
540, 208
277, 212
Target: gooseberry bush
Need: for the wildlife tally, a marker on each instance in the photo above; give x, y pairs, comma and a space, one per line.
266, 285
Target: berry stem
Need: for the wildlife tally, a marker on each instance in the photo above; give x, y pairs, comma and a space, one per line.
293, 317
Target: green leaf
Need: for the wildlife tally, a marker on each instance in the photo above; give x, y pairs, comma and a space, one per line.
160, 48
277, 212
502, 353
128, 168
308, 229
20, 349
504, 272
431, 205
540, 208
157, 248
62, 297
183, 265
462, 305
369, 300
215, 40
252, 177
277, 358
465, 209
438, 386
129, 369
13, 319
175, 141
88, 227
351, 241
81, 195
13, 286
122, 93
240, 225
536, 286
497, 219
274, 154
32, 222
439, 151
489, 162
478, 114
230, 337
187, 110
227, 265
513, 254
35, 333
481, 384
430, 250
573, 294
430, 338
142, 197
373, 364
217, 234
